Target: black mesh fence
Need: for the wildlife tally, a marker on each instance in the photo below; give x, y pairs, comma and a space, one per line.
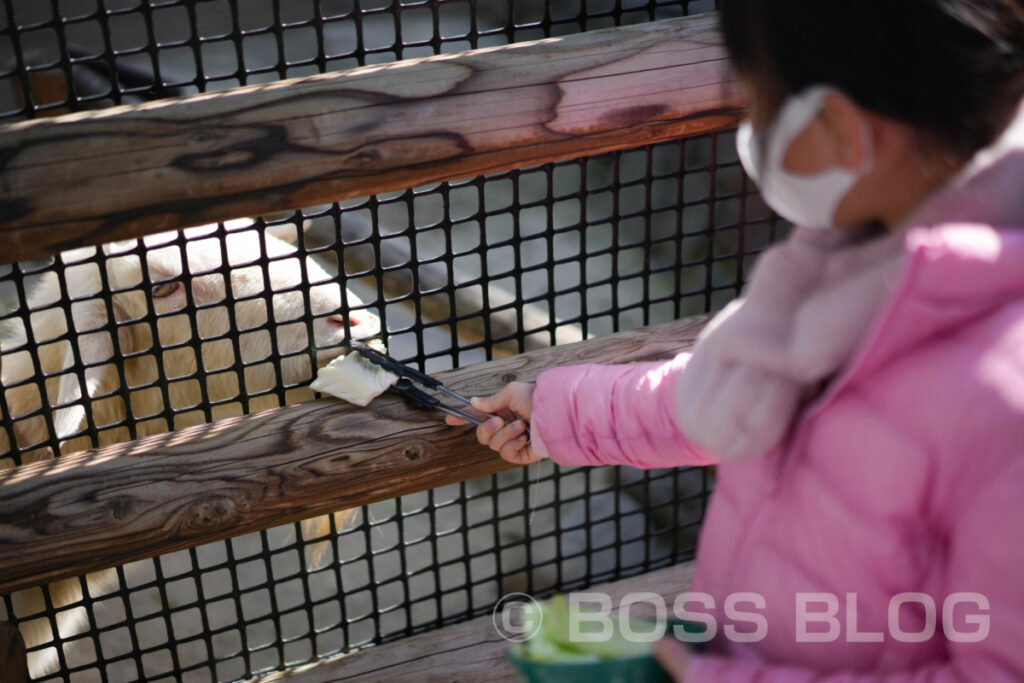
107, 344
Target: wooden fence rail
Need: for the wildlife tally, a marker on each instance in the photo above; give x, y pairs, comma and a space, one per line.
122, 172
99, 508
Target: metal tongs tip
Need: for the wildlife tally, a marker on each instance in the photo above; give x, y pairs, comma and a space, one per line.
408, 378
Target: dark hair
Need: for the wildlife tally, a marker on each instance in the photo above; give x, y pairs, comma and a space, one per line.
954, 68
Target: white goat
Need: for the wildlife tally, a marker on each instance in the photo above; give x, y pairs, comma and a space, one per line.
227, 299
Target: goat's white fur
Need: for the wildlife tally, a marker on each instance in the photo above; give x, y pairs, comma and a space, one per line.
183, 353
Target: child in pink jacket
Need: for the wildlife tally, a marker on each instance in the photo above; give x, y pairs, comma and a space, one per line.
864, 398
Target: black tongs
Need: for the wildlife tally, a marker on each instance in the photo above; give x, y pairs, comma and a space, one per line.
405, 385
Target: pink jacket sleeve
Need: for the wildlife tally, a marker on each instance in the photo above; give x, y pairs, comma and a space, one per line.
613, 415
985, 556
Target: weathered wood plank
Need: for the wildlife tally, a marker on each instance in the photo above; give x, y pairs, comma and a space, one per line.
122, 172
13, 662
99, 508
469, 651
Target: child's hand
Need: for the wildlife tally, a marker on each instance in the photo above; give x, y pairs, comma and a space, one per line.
673, 656
512, 440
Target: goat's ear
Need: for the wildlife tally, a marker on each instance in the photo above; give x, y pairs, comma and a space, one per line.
93, 344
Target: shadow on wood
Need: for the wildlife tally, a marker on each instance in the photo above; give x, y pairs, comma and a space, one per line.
122, 172
99, 508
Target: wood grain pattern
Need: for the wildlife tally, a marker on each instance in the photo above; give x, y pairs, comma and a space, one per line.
125, 502
469, 651
126, 171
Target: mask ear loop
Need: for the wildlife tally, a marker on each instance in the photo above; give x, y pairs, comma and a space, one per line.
867, 141
762, 141
790, 121
820, 91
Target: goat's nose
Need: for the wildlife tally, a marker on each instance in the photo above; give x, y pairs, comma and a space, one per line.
355, 319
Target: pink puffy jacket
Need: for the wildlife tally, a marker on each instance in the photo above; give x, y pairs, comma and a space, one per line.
864, 401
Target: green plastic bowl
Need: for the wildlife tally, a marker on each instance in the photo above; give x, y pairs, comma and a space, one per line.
640, 668
634, 669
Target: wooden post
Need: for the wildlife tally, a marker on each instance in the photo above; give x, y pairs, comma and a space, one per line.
13, 661
117, 173
96, 509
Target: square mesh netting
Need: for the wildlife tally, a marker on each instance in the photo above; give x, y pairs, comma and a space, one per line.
227, 319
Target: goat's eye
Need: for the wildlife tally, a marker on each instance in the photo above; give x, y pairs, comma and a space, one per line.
163, 289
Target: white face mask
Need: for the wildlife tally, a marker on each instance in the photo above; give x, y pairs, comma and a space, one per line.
808, 200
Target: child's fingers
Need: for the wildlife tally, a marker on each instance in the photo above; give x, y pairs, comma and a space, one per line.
488, 429
454, 421
507, 414
511, 441
518, 451
490, 404
514, 400
506, 434
521, 399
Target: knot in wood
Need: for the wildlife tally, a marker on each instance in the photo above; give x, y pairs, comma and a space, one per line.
366, 157
413, 452
508, 377
215, 512
628, 117
203, 136
272, 198
121, 507
226, 159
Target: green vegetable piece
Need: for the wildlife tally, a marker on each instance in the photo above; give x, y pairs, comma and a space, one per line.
554, 641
